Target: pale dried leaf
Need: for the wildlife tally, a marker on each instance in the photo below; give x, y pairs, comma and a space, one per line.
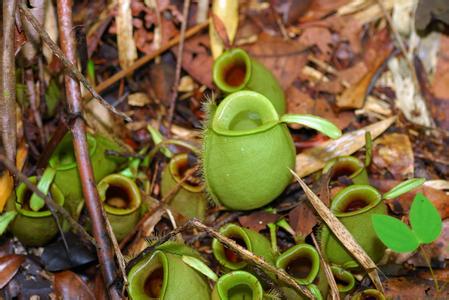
125, 41
314, 159
408, 98
138, 99
227, 11
51, 27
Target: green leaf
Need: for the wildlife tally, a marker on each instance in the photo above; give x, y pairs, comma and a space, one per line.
368, 148
5, 219
317, 123
52, 97
157, 138
36, 202
425, 220
394, 234
200, 266
404, 187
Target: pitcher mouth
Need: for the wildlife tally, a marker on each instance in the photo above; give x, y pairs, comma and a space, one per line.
179, 167
24, 196
355, 199
239, 283
243, 113
345, 166
119, 194
232, 70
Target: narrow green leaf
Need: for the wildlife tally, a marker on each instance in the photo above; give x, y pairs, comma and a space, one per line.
200, 266
425, 220
394, 234
36, 202
368, 148
5, 219
157, 138
404, 187
317, 123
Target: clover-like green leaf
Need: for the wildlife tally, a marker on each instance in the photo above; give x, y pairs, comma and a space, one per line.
394, 234
200, 266
317, 123
5, 219
404, 187
425, 220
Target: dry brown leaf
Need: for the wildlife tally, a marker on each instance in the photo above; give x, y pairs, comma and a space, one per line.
68, 285
299, 102
302, 219
320, 37
314, 159
284, 58
196, 59
394, 152
405, 288
125, 40
9, 265
258, 220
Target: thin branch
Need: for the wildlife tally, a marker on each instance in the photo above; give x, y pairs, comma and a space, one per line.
69, 66
147, 58
53, 206
174, 93
78, 128
8, 80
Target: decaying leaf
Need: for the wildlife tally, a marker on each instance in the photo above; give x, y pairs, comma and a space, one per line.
258, 220
394, 152
224, 24
314, 159
9, 265
68, 285
125, 41
6, 187
302, 219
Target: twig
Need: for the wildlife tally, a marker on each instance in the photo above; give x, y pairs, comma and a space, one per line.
32, 99
69, 66
78, 128
145, 59
8, 80
174, 92
342, 234
327, 269
77, 228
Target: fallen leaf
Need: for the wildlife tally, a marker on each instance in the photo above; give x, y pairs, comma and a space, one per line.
138, 99
258, 220
224, 24
284, 58
302, 219
404, 288
68, 285
322, 8
9, 265
125, 41
320, 37
300, 102
394, 152
196, 59
314, 159
6, 187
